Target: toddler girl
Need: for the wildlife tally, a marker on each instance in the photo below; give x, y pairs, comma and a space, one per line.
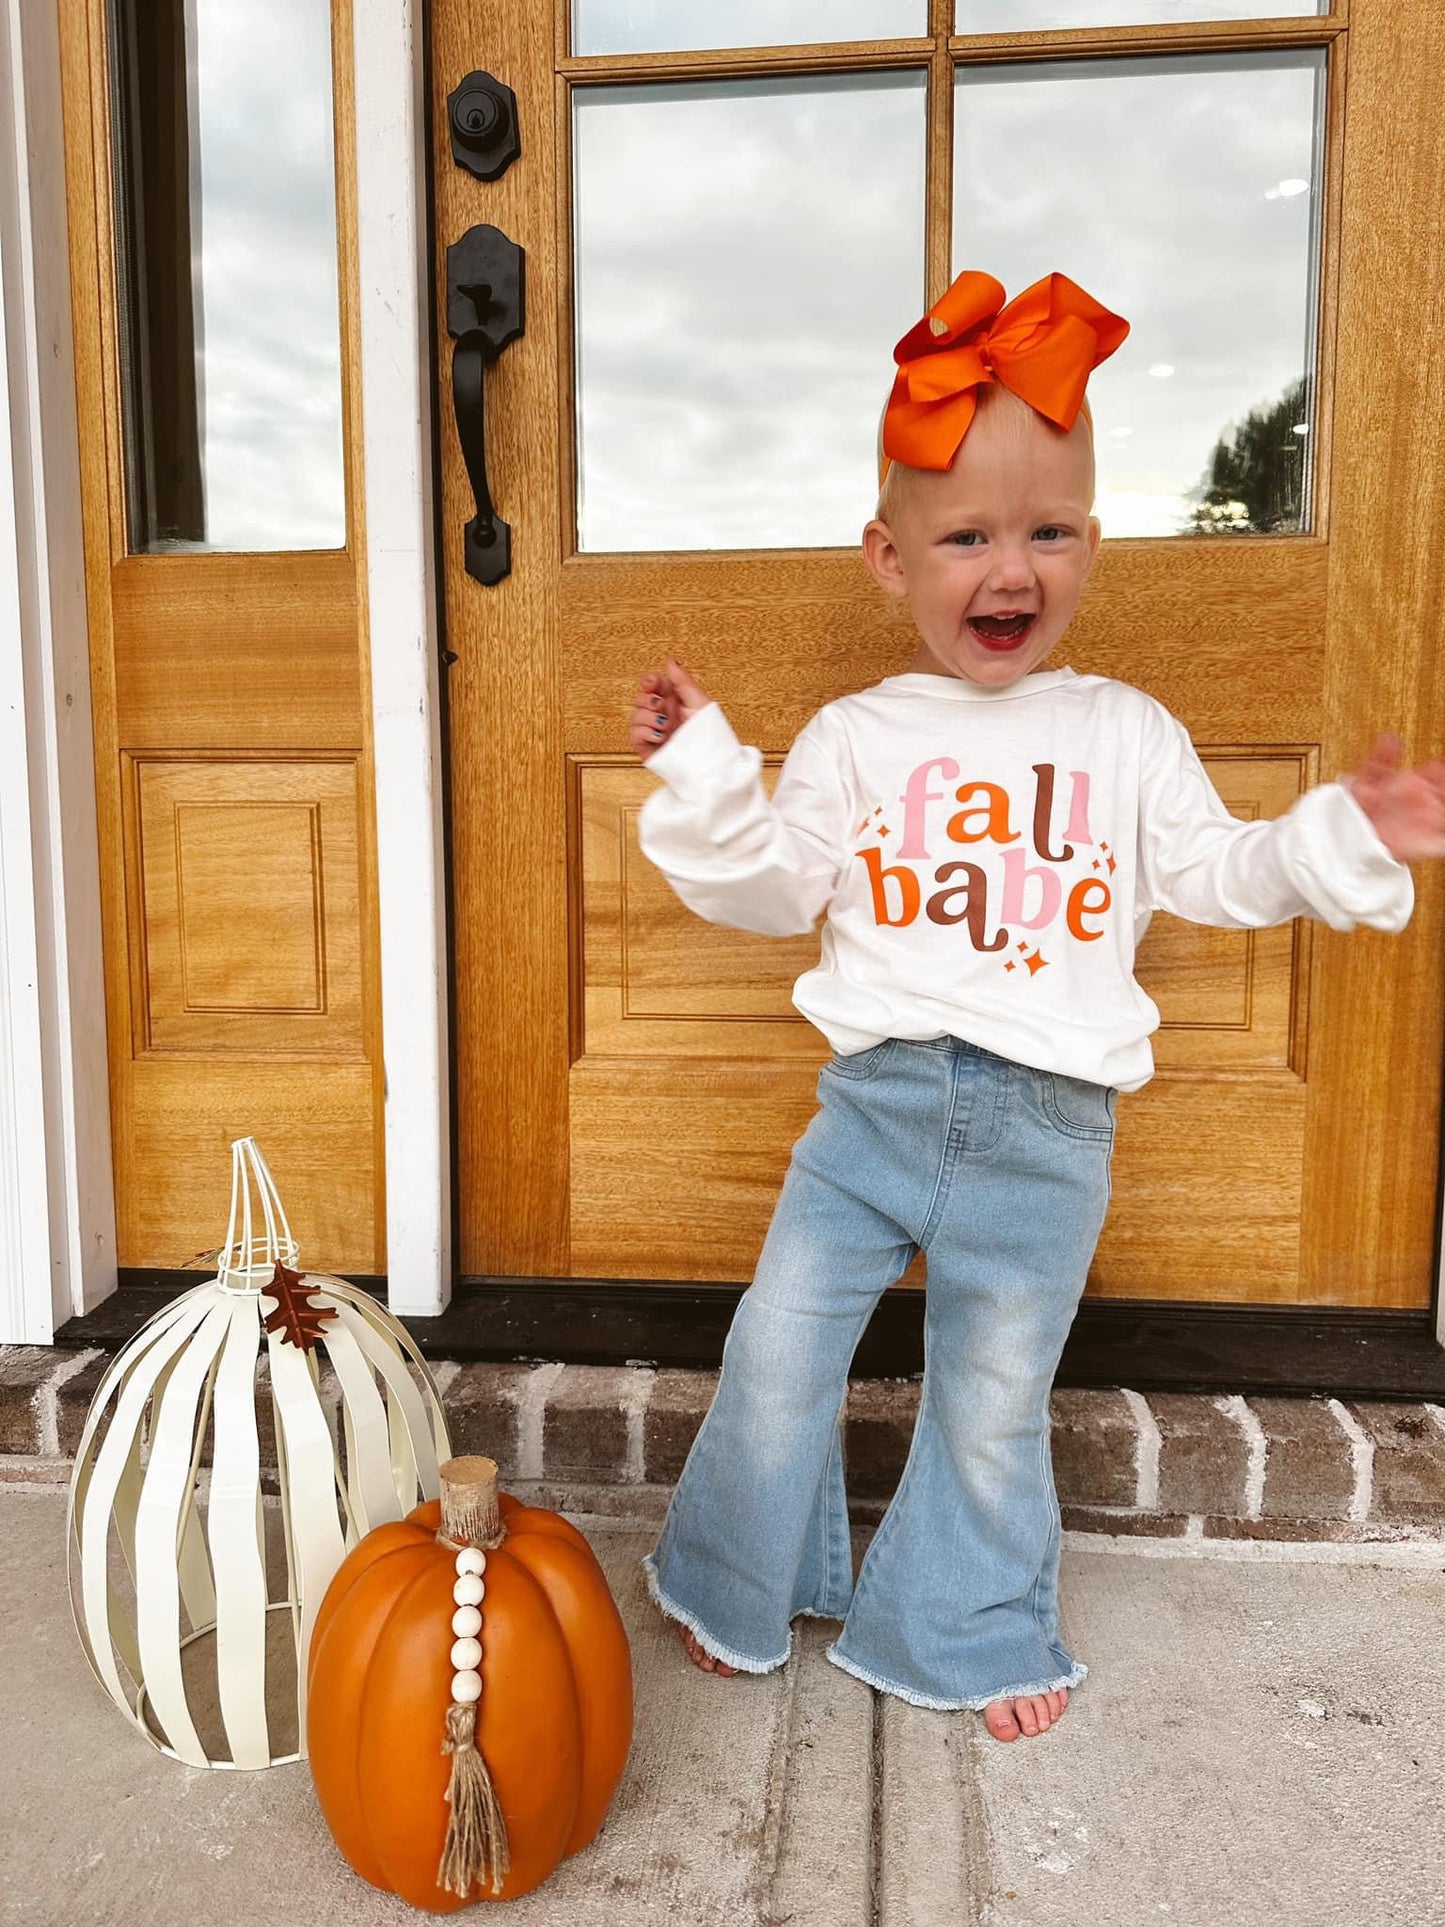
988, 838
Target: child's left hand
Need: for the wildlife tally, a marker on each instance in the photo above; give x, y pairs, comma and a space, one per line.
1406, 806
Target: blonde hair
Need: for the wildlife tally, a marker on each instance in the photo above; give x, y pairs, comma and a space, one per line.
892, 491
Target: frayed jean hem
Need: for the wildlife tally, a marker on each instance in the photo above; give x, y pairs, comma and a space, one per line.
1078, 1672
712, 1647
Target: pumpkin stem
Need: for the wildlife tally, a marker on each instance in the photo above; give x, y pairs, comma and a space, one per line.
470, 1513
476, 1829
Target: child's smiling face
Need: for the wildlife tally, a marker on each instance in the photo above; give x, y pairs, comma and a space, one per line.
1005, 533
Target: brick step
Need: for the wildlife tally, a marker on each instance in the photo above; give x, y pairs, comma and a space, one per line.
1159, 1464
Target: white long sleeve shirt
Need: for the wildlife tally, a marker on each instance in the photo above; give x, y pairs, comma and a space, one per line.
989, 859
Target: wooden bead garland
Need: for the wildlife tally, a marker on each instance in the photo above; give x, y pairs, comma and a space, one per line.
467, 1652
476, 1842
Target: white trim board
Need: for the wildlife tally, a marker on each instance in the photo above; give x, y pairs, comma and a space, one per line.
401, 591
57, 1214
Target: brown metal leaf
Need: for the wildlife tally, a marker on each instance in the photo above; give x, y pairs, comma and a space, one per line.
298, 1321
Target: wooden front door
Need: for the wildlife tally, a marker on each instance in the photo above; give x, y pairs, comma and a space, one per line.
722, 244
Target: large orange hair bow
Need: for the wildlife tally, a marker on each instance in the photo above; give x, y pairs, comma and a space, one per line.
1044, 345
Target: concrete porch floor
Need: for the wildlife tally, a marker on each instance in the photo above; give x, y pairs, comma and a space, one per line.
1259, 1741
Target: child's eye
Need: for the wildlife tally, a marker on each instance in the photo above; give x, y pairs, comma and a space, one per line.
1051, 528
965, 538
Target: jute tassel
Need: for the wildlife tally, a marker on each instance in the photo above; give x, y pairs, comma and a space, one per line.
476, 1830
476, 1841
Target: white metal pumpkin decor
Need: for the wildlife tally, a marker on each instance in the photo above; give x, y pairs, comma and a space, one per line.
166, 1557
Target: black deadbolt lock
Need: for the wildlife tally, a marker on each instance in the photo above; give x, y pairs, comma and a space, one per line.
483, 116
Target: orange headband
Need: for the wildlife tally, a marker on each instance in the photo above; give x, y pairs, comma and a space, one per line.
1043, 346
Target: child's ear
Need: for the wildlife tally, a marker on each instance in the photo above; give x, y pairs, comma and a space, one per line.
884, 562
1095, 531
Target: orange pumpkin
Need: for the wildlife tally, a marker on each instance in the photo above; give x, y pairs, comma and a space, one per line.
554, 1717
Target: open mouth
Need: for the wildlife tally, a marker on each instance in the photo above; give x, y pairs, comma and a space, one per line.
1005, 631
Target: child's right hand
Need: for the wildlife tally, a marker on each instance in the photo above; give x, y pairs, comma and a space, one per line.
664, 703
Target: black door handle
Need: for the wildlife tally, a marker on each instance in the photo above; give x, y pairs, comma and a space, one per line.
486, 308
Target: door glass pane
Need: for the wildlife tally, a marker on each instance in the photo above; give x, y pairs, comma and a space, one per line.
1184, 194
226, 251
668, 26
747, 253
1039, 16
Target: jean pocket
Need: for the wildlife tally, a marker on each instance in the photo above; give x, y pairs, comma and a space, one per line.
856, 1065
1078, 1108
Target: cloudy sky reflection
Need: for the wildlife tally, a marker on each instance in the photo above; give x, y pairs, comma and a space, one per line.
268, 334
743, 248
748, 252
655, 26
1179, 194
1041, 16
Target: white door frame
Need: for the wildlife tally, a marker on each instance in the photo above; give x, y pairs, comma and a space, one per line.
402, 597
57, 1213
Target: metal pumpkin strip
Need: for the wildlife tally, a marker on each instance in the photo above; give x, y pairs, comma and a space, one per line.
175, 1581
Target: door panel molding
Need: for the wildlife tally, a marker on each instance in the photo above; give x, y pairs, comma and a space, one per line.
282, 977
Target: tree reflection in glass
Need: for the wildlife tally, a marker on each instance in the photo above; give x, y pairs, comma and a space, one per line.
1183, 191
1256, 479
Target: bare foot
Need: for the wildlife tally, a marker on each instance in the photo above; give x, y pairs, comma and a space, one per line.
1018, 1718
705, 1660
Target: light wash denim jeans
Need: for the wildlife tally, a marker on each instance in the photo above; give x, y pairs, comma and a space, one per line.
1000, 1174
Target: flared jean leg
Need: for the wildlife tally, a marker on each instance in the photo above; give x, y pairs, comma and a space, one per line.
956, 1603
757, 1529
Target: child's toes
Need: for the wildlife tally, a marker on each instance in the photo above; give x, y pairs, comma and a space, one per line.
998, 1717
694, 1652
1028, 1715
701, 1657
1029, 1712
